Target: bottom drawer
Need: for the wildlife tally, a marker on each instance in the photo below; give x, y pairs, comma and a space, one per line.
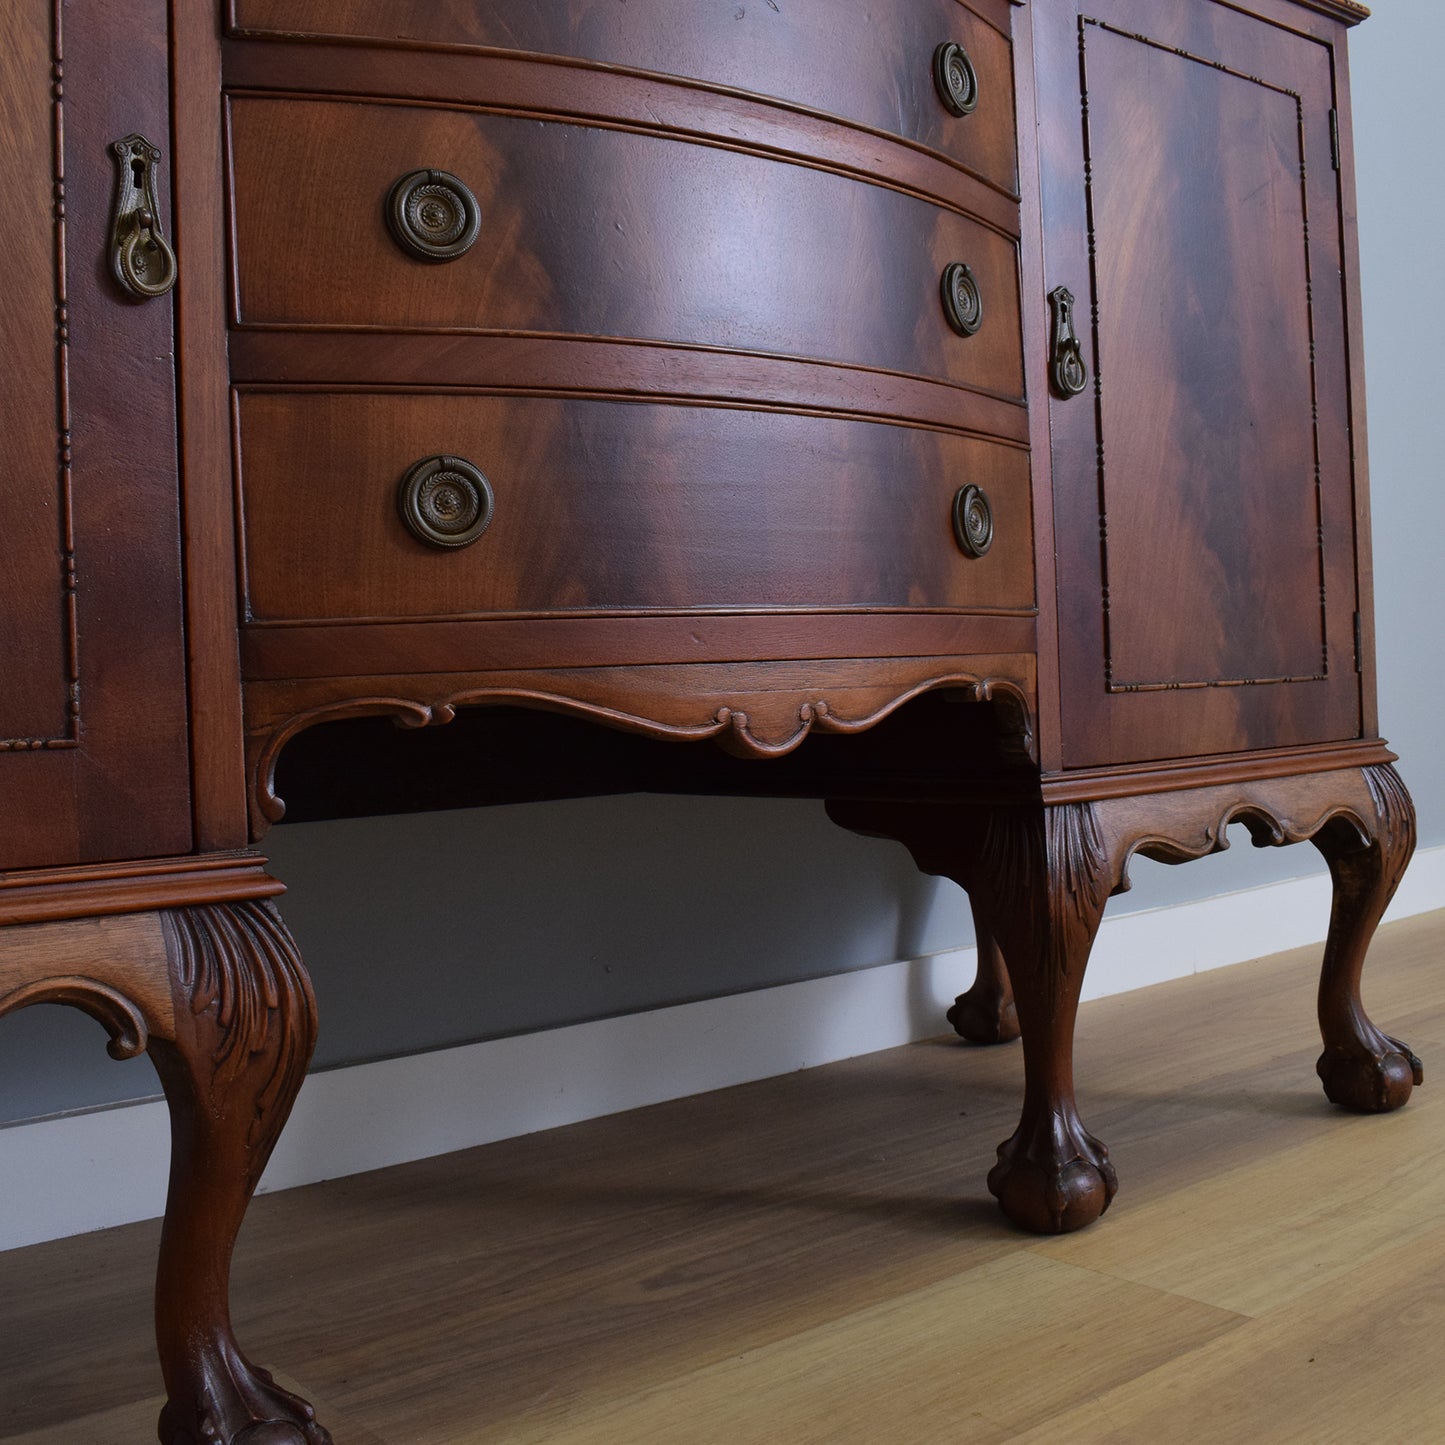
610, 506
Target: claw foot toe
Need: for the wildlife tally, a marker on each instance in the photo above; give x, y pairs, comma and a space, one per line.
251, 1409
258, 1432
984, 1019
271, 1432
283, 1432
1051, 1189
1367, 1080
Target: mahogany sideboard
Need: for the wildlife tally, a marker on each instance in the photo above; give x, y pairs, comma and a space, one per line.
951, 408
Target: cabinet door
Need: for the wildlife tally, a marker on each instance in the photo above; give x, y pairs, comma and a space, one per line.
1203, 478
93, 743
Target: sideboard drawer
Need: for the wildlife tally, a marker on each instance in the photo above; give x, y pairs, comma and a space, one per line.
589, 231
610, 505
869, 64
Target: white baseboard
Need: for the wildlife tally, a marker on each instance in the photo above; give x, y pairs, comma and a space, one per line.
88, 1171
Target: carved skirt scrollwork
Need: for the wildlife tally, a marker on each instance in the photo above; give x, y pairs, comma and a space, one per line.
758, 712
1363, 823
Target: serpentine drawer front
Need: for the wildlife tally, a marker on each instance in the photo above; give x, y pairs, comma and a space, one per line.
602, 505
599, 232
951, 409
872, 65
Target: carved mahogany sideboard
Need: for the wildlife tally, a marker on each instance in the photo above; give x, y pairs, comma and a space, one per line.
952, 408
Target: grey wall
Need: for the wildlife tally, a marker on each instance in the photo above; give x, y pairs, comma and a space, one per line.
427, 931
1400, 145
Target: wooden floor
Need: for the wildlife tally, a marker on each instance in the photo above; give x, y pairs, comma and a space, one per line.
815, 1259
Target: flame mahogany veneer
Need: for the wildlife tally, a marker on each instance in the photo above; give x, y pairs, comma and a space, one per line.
949, 410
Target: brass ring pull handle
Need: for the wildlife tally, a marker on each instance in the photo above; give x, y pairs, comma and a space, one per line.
445, 502
955, 79
433, 216
141, 259
973, 521
1067, 370
962, 300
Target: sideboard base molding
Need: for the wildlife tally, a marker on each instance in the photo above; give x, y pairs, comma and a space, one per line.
52, 894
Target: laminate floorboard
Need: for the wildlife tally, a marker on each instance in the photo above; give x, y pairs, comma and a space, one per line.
814, 1258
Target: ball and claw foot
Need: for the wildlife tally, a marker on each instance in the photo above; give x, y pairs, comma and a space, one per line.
1370, 1080
1055, 1180
243, 1406
983, 1016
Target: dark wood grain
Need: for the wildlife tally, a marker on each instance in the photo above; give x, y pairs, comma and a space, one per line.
93, 702
699, 352
1358, 420
42, 895
291, 650
38, 649
601, 505
1203, 484
872, 66
519, 85
209, 517
1034, 287
595, 232
588, 366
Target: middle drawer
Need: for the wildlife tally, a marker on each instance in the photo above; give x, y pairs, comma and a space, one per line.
593, 232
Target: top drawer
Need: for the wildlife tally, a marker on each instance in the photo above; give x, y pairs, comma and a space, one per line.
584, 231
870, 64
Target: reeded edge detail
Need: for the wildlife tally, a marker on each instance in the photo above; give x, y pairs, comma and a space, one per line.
69, 735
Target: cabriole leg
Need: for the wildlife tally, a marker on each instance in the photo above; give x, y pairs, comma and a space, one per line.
1047, 877
1361, 1067
985, 1012
218, 997
1038, 878
245, 1025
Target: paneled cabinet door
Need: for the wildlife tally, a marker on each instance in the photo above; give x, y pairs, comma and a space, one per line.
1202, 468
93, 742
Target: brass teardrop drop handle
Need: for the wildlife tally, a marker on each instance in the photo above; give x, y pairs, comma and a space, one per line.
1067, 368
433, 216
141, 259
445, 502
955, 79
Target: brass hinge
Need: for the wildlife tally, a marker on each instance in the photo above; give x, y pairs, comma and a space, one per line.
1335, 137
1359, 644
